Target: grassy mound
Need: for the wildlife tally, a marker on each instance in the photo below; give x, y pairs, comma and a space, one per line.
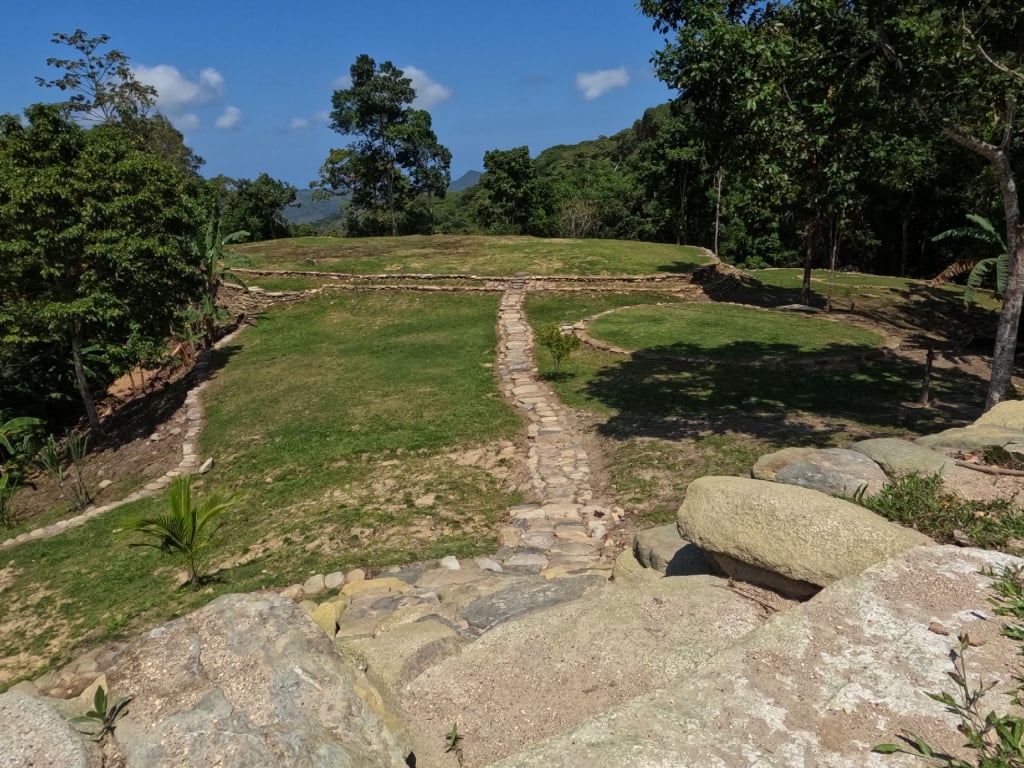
472, 254
341, 421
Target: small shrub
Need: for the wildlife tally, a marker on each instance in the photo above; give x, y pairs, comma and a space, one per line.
921, 503
558, 343
73, 450
187, 528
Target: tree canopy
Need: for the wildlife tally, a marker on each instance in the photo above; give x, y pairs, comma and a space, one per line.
94, 256
394, 158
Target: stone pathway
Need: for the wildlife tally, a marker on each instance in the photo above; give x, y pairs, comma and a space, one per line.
564, 528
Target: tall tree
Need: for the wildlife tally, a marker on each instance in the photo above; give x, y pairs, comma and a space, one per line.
103, 90
395, 155
961, 65
254, 206
102, 86
510, 184
94, 256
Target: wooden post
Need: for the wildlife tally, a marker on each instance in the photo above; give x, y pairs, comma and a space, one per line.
926, 384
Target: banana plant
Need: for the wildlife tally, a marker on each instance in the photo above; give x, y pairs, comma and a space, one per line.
216, 266
979, 269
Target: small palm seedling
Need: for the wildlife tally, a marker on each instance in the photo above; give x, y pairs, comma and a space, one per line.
186, 528
103, 714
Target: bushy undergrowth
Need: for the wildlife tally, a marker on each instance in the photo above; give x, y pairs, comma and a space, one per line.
922, 503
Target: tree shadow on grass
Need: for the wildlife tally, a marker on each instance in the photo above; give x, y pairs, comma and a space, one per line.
142, 415
769, 390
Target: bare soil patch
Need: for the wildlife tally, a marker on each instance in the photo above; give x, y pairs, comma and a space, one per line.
143, 430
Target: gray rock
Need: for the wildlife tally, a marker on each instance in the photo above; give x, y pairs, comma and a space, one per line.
835, 471
249, 681
503, 605
1009, 413
974, 438
35, 734
803, 535
663, 550
314, 585
819, 684
334, 580
396, 657
541, 674
900, 458
487, 564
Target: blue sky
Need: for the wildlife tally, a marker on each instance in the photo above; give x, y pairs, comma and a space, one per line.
249, 83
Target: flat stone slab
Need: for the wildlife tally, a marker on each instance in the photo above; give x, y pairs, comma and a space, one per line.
974, 438
506, 604
662, 549
835, 471
543, 673
819, 684
899, 458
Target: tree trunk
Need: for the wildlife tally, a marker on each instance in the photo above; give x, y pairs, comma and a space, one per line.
835, 232
905, 244
683, 185
1005, 350
805, 287
718, 204
83, 384
1003, 356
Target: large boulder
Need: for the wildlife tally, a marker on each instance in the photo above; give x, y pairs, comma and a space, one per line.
976, 437
535, 676
835, 471
34, 733
819, 684
900, 458
1009, 413
248, 681
804, 536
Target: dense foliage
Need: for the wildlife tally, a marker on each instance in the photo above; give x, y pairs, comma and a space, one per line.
812, 130
394, 167
94, 258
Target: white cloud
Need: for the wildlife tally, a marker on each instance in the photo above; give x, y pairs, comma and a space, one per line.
323, 117
298, 123
428, 92
230, 118
176, 94
342, 82
186, 122
595, 84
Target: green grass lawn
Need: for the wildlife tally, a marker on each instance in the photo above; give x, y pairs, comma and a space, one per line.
719, 392
471, 254
728, 332
332, 417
